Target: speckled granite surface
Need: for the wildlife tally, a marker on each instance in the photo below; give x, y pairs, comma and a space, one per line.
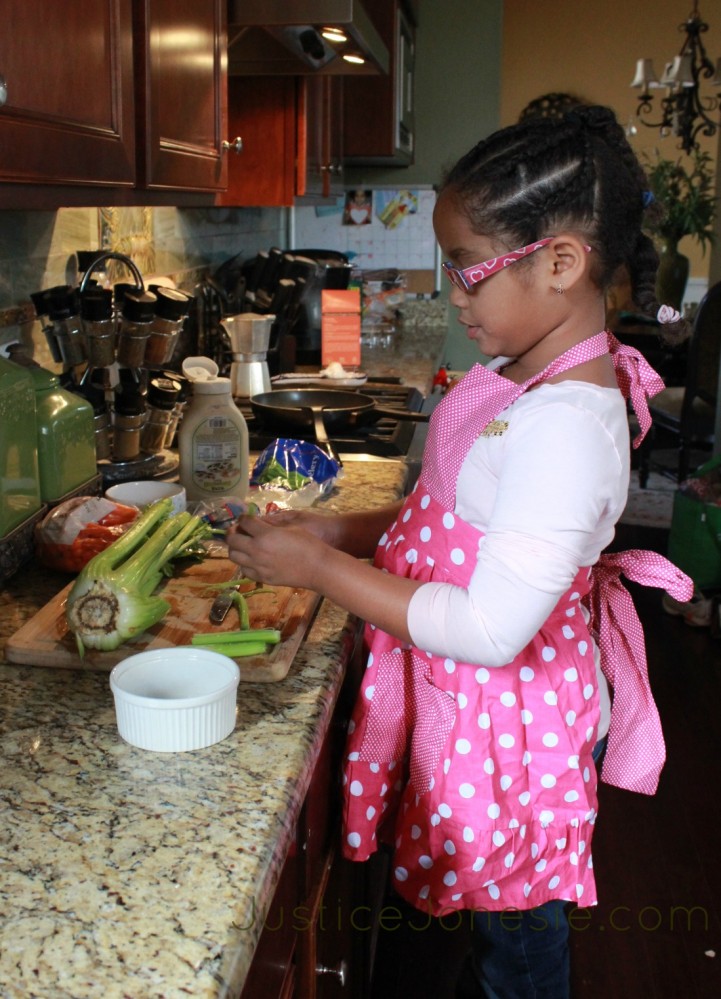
128, 873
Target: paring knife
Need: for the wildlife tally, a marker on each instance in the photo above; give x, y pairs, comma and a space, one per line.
224, 601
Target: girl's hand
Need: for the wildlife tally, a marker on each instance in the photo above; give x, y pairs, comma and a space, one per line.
322, 525
275, 550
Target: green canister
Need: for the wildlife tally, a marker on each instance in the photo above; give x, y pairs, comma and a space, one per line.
66, 436
19, 475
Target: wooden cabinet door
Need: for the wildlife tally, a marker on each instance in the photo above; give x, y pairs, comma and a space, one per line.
69, 113
320, 136
262, 111
181, 69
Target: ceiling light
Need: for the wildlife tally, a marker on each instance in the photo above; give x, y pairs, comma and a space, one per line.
334, 35
354, 57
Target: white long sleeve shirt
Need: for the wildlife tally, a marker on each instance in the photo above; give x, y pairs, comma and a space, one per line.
546, 492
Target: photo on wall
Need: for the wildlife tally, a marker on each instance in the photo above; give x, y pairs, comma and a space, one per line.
358, 208
393, 207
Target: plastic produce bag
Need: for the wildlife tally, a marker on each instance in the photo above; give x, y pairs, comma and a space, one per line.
291, 474
78, 529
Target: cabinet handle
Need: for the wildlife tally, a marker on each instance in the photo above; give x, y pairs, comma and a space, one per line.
236, 145
3, 91
341, 972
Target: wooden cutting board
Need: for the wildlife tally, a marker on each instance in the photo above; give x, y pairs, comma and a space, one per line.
45, 640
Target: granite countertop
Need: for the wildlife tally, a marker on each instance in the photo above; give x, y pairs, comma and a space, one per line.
129, 873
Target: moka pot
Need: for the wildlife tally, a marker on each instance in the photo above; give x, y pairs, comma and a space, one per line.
249, 334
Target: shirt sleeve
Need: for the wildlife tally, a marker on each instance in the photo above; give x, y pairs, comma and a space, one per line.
560, 484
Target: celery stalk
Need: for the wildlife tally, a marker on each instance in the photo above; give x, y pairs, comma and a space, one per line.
238, 650
270, 636
113, 598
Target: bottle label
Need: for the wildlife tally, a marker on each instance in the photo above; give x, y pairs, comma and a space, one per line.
217, 453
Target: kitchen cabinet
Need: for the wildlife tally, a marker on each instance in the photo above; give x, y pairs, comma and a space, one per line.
291, 130
108, 100
378, 111
317, 942
263, 111
320, 124
181, 63
68, 117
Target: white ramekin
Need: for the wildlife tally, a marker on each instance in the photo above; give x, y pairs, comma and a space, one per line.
145, 491
175, 700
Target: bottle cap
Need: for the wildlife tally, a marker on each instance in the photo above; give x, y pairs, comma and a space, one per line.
200, 369
173, 305
62, 302
96, 305
122, 289
215, 387
139, 308
129, 403
163, 393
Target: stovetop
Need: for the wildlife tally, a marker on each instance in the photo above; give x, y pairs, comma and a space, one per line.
387, 438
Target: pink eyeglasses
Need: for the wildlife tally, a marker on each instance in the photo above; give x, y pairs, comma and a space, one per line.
469, 276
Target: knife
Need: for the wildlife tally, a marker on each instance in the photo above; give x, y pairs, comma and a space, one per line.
224, 601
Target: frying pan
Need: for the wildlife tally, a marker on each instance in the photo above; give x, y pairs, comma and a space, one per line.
324, 411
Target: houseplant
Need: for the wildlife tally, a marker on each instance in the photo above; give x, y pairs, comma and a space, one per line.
684, 205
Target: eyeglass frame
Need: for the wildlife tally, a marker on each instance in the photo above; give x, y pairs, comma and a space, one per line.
467, 277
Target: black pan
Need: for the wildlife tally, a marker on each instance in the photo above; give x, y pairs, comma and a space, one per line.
325, 411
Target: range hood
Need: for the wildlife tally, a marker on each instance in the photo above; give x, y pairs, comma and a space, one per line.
293, 37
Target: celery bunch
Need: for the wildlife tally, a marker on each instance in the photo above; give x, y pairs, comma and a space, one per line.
113, 598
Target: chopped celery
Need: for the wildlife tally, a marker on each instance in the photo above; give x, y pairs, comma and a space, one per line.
237, 650
269, 636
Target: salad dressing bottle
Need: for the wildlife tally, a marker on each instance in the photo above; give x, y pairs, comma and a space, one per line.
213, 436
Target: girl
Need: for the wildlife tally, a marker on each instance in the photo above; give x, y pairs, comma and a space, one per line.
495, 625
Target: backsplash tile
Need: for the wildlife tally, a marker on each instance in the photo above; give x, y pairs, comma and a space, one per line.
37, 250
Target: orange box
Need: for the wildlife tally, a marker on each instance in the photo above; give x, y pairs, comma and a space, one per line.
341, 327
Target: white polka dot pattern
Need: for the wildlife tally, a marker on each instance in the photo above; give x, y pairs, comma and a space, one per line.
466, 769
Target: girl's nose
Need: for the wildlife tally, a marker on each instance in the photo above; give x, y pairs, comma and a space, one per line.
457, 296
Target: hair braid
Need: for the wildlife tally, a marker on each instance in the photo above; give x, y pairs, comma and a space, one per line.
575, 172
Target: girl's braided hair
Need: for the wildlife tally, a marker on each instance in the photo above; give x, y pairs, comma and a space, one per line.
574, 173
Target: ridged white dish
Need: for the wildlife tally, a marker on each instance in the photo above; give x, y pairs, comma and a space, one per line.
175, 700
146, 491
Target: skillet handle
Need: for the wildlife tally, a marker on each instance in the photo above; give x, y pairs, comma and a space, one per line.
321, 434
399, 414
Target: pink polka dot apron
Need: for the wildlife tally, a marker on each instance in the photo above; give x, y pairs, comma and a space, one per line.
481, 778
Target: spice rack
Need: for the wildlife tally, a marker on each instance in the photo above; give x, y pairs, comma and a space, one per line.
124, 336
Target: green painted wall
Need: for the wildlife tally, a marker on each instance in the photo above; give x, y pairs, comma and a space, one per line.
457, 97
457, 88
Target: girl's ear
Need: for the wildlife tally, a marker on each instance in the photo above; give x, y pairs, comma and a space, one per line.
567, 260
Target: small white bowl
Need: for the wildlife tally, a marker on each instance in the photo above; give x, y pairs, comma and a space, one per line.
175, 700
146, 491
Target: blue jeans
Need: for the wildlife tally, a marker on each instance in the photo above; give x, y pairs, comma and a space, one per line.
518, 955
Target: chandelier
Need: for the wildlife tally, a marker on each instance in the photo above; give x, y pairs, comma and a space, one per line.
685, 112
